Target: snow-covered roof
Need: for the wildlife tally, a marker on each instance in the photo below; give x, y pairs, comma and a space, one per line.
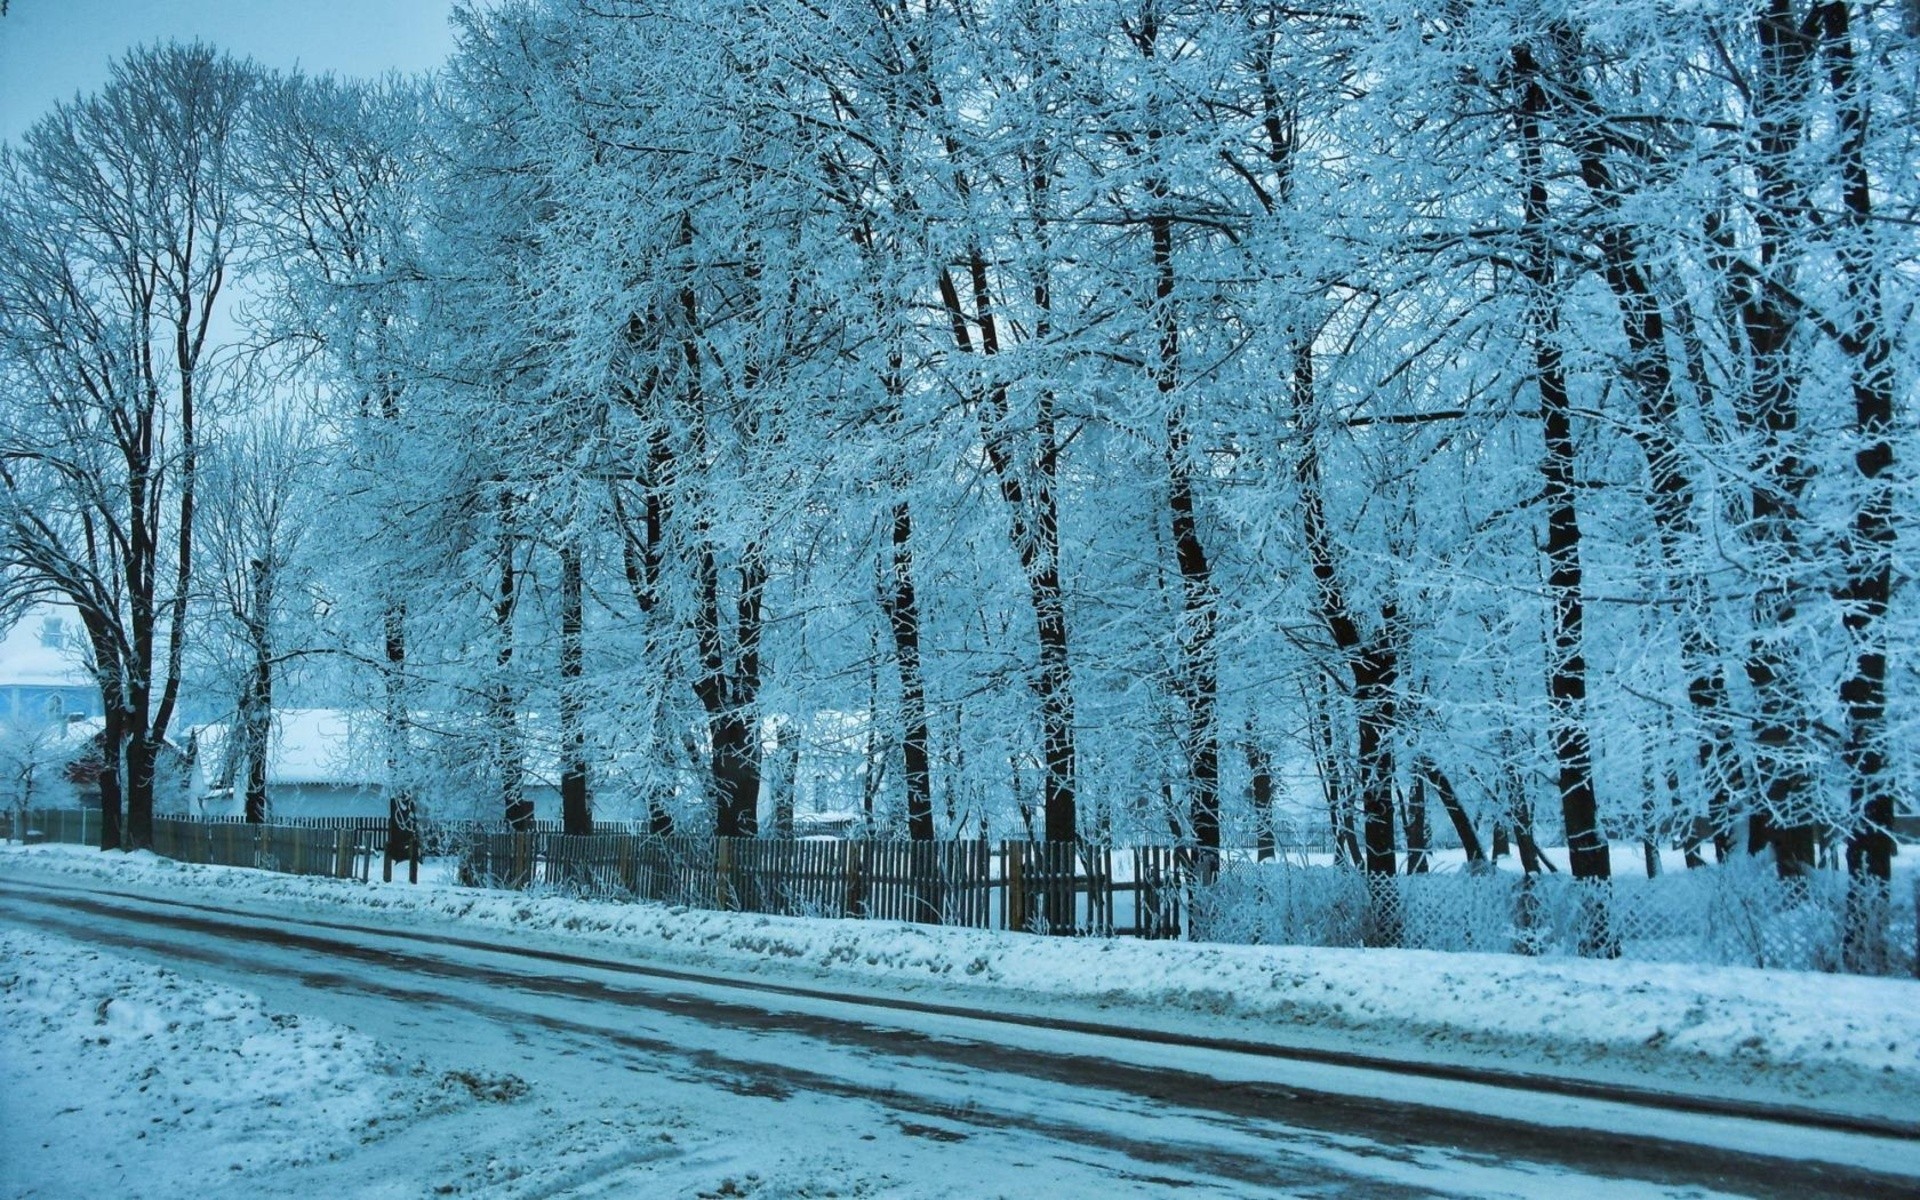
44, 648
308, 745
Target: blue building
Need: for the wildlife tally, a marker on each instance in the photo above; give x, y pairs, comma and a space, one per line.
44, 678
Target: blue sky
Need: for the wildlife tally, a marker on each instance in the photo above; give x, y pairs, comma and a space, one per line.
50, 49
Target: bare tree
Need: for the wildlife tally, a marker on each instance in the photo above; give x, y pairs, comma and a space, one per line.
256, 522
118, 223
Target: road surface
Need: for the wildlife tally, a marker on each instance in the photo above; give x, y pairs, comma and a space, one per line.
649, 1081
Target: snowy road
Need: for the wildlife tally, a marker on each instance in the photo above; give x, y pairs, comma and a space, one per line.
648, 1082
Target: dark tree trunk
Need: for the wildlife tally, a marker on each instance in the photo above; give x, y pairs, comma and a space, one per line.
256, 702
259, 738
736, 776
142, 758
874, 758
1519, 806
1376, 675
1326, 758
1871, 544
107, 674
1197, 683
1418, 848
1770, 411
1649, 372
1035, 533
576, 804
1260, 796
509, 757
903, 619
403, 843
1567, 667
642, 557
1368, 659
728, 684
730, 696
112, 770
1450, 803
1532, 861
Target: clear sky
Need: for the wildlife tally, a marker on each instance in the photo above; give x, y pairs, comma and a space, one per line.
50, 49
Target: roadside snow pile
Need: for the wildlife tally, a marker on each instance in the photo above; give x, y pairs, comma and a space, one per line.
1655, 1020
221, 1088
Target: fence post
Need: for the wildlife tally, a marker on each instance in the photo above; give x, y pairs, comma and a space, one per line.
856, 905
1013, 914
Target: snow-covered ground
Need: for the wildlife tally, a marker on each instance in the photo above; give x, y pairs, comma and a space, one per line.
124, 1057
214, 1074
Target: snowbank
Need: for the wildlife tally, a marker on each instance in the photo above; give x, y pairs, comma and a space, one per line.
1845, 1042
175, 1085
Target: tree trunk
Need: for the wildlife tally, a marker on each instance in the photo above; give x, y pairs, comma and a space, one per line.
1450, 803
256, 709
1376, 675
903, 619
736, 776
1198, 681
576, 804
1649, 372
1567, 667
1770, 412
508, 753
1260, 796
642, 556
1418, 849
142, 758
1369, 660
258, 732
402, 831
1871, 545
1035, 533
730, 697
1326, 760
112, 795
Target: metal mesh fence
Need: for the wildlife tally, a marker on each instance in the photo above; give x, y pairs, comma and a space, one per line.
1738, 914
70, 826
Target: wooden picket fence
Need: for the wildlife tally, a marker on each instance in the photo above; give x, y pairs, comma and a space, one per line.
1036, 887
1030, 886
342, 852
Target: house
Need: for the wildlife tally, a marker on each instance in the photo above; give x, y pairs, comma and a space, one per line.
80, 749
44, 674
321, 762
331, 762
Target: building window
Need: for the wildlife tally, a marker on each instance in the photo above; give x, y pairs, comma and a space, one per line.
53, 633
